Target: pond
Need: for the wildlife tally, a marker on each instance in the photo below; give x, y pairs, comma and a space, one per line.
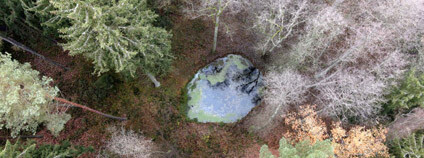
224, 91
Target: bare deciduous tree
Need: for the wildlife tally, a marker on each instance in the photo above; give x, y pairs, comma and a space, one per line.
370, 58
389, 68
377, 29
276, 21
212, 8
283, 89
355, 50
351, 94
322, 31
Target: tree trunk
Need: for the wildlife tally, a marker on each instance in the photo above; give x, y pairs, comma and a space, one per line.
23, 136
215, 35
273, 115
335, 63
406, 124
89, 109
20, 45
153, 79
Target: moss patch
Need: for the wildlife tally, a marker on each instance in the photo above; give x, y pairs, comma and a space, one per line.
220, 77
195, 96
201, 116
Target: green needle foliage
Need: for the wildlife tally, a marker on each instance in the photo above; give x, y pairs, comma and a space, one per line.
26, 99
408, 95
48, 23
29, 150
15, 151
116, 35
23, 22
12, 13
303, 149
410, 147
65, 149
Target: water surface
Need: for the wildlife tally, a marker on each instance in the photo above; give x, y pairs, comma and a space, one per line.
224, 91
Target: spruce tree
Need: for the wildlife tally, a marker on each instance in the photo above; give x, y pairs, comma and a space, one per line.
409, 94
29, 150
409, 147
26, 100
11, 14
64, 149
303, 149
14, 150
115, 35
22, 22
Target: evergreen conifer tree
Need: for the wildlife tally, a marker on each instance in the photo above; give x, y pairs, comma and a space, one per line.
13, 151
409, 94
303, 149
116, 35
26, 100
410, 147
22, 22
11, 14
29, 150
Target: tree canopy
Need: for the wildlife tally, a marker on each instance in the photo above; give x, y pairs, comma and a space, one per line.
116, 35
408, 94
30, 150
26, 100
303, 149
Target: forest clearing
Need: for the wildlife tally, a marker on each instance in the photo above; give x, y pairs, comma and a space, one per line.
212, 78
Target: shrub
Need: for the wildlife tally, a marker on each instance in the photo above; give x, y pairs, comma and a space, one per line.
409, 94
357, 142
129, 144
410, 147
305, 125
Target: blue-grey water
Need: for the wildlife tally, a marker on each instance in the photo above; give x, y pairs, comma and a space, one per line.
224, 91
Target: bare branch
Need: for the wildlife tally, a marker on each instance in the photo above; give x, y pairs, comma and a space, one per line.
127, 143
276, 21
283, 89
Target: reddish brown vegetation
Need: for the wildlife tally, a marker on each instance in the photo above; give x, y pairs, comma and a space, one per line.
77, 131
154, 111
355, 142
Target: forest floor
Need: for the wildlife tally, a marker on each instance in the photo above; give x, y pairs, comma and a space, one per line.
158, 113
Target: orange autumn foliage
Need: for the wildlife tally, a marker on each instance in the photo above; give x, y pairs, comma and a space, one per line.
357, 142
306, 125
